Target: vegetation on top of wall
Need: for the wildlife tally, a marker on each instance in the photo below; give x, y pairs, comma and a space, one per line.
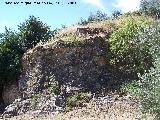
127, 54
32, 31
97, 17
151, 7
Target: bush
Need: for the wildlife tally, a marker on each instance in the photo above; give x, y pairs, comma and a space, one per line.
77, 99
151, 7
53, 85
96, 17
14, 44
10, 56
150, 91
116, 14
32, 31
83, 22
129, 56
131, 87
150, 82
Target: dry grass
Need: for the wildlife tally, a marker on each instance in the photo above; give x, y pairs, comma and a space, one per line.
107, 24
69, 33
120, 108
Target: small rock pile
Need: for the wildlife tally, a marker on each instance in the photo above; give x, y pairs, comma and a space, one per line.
40, 107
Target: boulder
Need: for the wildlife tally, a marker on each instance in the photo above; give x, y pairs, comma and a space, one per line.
39, 106
56, 70
10, 92
82, 65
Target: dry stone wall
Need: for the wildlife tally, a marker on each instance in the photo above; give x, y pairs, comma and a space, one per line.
10, 92
82, 65
55, 71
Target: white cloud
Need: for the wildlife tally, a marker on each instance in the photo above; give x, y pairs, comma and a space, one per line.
127, 5
97, 3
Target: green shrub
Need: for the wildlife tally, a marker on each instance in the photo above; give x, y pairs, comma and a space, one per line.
32, 31
151, 7
127, 54
116, 14
94, 17
83, 22
54, 89
131, 87
97, 17
76, 100
35, 98
10, 57
150, 82
150, 91
14, 44
53, 85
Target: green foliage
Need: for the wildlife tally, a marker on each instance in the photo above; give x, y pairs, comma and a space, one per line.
34, 99
127, 54
131, 87
83, 22
151, 7
76, 100
10, 56
14, 44
150, 90
53, 85
116, 14
54, 89
150, 82
96, 17
32, 31
1, 36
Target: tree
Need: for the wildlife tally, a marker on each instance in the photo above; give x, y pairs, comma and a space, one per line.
10, 56
151, 7
32, 31
116, 14
14, 44
98, 16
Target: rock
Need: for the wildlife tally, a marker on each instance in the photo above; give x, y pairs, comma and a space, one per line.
42, 106
52, 72
10, 111
17, 107
24, 106
10, 92
90, 31
75, 65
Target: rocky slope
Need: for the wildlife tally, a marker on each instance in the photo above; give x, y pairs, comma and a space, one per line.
54, 71
69, 65
59, 73
108, 107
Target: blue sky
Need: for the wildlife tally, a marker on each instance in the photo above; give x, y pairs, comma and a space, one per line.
58, 14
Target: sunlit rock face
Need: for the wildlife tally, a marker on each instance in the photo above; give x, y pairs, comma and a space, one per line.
81, 65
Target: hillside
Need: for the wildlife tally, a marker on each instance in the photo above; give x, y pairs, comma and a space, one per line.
82, 72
